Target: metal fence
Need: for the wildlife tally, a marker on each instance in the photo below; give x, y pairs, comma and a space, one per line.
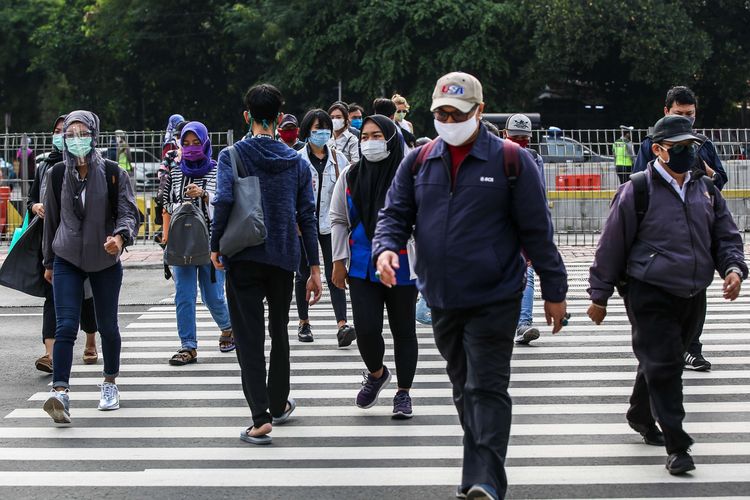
579, 172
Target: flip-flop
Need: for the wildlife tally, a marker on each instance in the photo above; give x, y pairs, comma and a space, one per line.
260, 440
226, 342
285, 416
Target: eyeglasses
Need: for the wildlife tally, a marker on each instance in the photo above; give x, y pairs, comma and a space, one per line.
457, 116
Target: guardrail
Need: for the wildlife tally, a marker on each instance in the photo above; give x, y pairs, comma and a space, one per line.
579, 172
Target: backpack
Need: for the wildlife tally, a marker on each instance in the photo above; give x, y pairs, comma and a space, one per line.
188, 243
112, 173
641, 197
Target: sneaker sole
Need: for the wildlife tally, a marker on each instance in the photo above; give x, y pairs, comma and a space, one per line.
56, 410
305, 339
375, 401
104, 408
402, 416
528, 336
347, 339
702, 368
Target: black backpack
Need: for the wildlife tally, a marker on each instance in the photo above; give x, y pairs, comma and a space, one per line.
112, 173
188, 243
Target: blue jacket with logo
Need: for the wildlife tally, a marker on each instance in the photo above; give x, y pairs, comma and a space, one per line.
469, 237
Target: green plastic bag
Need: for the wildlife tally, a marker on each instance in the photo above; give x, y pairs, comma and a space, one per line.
19, 231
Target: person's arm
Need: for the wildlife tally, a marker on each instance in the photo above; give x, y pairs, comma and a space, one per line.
713, 161
34, 192
353, 149
644, 156
726, 240
339, 214
128, 220
223, 200
167, 193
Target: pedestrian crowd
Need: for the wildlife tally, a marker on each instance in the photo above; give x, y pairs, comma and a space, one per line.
449, 232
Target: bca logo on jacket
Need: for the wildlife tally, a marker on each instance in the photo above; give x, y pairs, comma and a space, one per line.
452, 90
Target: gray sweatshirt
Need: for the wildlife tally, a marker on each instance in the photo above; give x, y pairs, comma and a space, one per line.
81, 241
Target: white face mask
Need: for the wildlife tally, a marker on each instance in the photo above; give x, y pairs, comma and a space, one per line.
338, 123
374, 150
456, 134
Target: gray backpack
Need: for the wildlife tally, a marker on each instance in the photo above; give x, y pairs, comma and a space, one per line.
188, 243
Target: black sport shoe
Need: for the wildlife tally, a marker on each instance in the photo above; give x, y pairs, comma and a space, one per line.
651, 434
304, 333
680, 463
697, 363
346, 335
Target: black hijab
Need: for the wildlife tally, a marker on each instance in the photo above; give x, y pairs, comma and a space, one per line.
369, 181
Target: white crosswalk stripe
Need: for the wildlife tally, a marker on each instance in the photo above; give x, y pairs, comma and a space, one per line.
180, 425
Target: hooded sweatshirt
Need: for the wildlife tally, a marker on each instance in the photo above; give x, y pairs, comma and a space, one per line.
286, 197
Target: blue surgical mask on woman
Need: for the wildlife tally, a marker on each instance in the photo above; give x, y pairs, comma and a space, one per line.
78, 146
320, 137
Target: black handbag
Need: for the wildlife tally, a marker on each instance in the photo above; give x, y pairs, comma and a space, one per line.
22, 269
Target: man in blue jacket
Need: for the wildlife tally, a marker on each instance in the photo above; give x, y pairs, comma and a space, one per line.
266, 271
682, 101
668, 255
470, 222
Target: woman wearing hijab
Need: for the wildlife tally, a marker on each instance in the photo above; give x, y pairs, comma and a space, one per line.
171, 137
88, 319
195, 182
84, 235
358, 197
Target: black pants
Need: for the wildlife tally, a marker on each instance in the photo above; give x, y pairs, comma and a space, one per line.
477, 343
338, 296
248, 283
696, 348
49, 320
662, 326
623, 173
368, 300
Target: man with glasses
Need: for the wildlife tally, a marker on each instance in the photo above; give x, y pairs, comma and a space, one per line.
470, 222
670, 252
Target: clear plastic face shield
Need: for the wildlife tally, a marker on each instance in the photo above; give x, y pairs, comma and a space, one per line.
78, 139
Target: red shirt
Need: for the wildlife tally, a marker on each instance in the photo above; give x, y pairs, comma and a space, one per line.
458, 155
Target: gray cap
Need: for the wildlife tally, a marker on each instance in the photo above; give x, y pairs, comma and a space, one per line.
460, 90
518, 124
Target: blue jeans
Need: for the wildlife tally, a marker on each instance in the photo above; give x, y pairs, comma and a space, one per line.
527, 302
67, 286
185, 280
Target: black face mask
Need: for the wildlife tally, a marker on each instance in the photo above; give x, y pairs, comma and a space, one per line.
682, 158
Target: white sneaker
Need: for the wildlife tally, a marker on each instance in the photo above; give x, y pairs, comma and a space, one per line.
57, 406
110, 397
525, 334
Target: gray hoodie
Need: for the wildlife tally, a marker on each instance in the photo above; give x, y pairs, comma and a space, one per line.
78, 240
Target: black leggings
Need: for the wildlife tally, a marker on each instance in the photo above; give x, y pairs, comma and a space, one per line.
338, 296
368, 299
49, 320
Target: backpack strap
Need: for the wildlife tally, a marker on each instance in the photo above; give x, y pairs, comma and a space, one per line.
511, 162
640, 195
112, 172
423, 152
334, 155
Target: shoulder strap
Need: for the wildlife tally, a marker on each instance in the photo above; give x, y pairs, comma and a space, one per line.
640, 194
511, 163
423, 152
112, 172
236, 162
334, 155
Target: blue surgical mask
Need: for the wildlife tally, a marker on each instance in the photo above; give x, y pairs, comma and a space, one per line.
78, 146
357, 123
320, 137
57, 141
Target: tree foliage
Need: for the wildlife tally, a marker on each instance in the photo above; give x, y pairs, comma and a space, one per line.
135, 62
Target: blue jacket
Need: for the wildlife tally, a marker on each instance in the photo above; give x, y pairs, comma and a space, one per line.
707, 152
287, 197
469, 238
677, 245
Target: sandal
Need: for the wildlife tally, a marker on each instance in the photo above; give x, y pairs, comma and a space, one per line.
183, 357
90, 356
246, 437
226, 341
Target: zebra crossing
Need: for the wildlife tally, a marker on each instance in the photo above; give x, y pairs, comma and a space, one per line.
176, 434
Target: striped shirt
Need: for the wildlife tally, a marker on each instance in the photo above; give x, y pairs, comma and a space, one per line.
174, 191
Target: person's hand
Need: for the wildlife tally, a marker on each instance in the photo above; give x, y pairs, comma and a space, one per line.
709, 171
386, 267
38, 209
113, 245
48, 275
193, 191
216, 260
554, 312
732, 285
339, 276
314, 286
597, 313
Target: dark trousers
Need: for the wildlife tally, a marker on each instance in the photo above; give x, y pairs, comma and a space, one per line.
248, 283
696, 348
662, 327
368, 301
67, 285
477, 344
49, 321
338, 296
623, 173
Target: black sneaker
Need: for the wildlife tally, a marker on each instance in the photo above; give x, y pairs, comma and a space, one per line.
346, 335
304, 333
651, 433
680, 463
402, 406
697, 363
371, 387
